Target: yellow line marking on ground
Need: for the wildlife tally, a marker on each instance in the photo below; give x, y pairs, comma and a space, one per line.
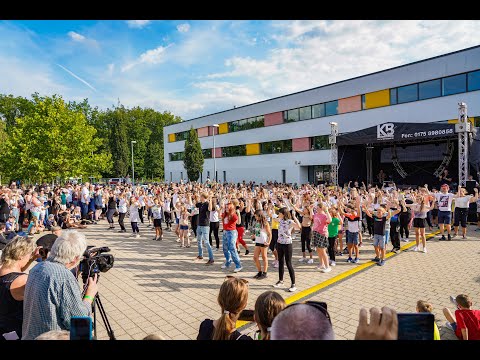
339, 277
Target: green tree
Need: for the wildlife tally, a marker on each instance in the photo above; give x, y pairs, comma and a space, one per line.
116, 122
53, 141
193, 160
14, 107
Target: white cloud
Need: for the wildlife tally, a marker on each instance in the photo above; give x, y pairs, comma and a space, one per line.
76, 36
138, 24
183, 28
152, 56
314, 53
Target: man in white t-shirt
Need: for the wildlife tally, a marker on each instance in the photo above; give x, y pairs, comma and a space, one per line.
444, 199
85, 199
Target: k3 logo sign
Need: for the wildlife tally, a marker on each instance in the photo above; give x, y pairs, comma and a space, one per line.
385, 131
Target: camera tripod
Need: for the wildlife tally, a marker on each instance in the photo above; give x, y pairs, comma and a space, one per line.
103, 314
97, 302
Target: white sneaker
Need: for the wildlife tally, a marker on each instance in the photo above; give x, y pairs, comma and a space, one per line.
326, 270
310, 261
449, 326
292, 288
320, 268
333, 263
415, 248
424, 250
225, 266
238, 269
278, 285
302, 260
137, 236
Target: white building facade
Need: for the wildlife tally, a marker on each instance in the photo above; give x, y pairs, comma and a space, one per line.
285, 139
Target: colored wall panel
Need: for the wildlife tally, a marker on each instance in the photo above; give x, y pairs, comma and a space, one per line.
223, 129
212, 129
273, 119
171, 137
202, 132
377, 99
301, 144
218, 152
253, 149
350, 104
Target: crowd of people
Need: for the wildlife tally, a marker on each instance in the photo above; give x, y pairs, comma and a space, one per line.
331, 222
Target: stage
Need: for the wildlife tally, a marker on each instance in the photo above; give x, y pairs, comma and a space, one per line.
408, 153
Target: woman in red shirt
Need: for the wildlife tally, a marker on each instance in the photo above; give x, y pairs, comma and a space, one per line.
229, 239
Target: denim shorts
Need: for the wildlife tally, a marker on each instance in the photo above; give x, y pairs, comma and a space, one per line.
444, 217
379, 241
183, 227
352, 238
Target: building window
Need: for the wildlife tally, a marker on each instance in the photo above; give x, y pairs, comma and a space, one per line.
393, 96
306, 113
364, 106
284, 176
208, 174
320, 142
237, 150
207, 153
331, 108
407, 93
177, 156
274, 147
171, 176
455, 84
181, 135
474, 81
181, 175
224, 176
318, 111
430, 89
291, 115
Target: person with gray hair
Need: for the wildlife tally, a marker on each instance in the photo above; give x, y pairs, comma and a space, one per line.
307, 321
52, 293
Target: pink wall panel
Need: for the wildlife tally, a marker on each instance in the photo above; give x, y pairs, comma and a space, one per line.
218, 152
202, 132
301, 144
211, 130
350, 104
274, 119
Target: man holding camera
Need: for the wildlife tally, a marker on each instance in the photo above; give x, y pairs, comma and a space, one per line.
52, 293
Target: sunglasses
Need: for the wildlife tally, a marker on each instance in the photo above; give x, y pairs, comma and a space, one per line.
322, 306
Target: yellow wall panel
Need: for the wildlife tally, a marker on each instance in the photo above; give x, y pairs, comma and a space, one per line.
171, 137
377, 99
253, 149
223, 128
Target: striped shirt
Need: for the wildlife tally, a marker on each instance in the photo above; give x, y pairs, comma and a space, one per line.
52, 297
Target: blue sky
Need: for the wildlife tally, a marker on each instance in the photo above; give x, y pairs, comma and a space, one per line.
194, 68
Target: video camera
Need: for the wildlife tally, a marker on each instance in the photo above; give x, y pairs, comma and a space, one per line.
95, 261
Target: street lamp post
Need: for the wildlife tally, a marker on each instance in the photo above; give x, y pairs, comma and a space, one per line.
133, 166
215, 126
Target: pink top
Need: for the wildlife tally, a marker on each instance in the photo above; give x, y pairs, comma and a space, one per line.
320, 224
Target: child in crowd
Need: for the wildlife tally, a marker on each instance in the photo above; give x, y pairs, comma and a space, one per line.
267, 306
466, 323
184, 218
425, 307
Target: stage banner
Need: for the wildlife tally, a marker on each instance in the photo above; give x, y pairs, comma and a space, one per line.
391, 132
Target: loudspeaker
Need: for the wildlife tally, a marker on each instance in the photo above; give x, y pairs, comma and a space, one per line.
470, 185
